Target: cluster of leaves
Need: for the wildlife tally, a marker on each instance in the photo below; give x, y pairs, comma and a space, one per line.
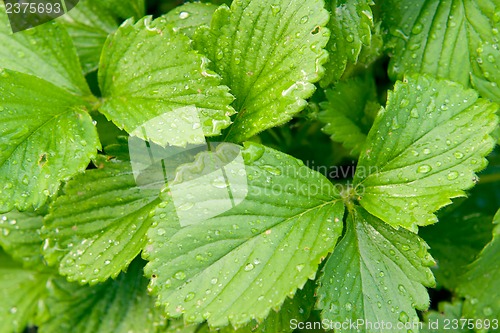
86, 249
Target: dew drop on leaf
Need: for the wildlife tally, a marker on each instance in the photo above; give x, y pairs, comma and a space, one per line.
424, 168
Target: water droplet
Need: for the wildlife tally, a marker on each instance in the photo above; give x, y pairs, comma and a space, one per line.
300, 267
414, 113
402, 289
350, 38
487, 311
417, 28
180, 275
458, 155
426, 151
304, 19
452, 175
183, 15
348, 306
275, 9
403, 317
189, 297
272, 170
249, 267
96, 271
186, 206
107, 262
404, 102
219, 182
213, 281
381, 274
379, 305
161, 232
405, 247
13, 310
424, 168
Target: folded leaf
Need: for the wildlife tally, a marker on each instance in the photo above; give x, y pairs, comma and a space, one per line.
351, 25
20, 237
462, 233
20, 290
45, 51
165, 94
240, 264
42, 143
422, 150
89, 23
449, 315
376, 273
480, 284
269, 55
99, 224
445, 39
349, 111
119, 306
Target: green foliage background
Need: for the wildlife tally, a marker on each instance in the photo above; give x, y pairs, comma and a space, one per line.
376, 120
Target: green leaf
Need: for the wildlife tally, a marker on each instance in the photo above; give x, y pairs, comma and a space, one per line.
89, 23
240, 264
486, 74
145, 86
446, 39
45, 51
376, 273
20, 237
190, 16
351, 25
269, 55
99, 224
443, 320
296, 309
462, 233
20, 290
126, 9
481, 283
119, 306
349, 111
431, 133
47, 136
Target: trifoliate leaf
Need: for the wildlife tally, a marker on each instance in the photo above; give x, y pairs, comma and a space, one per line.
269, 54
119, 306
20, 237
165, 93
480, 285
254, 249
447, 318
20, 290
188, 17
46, 136
89, 23
45, 51
351, 25
376, 273
462, 233
422, 150
349, 111
99, 224
455, 40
